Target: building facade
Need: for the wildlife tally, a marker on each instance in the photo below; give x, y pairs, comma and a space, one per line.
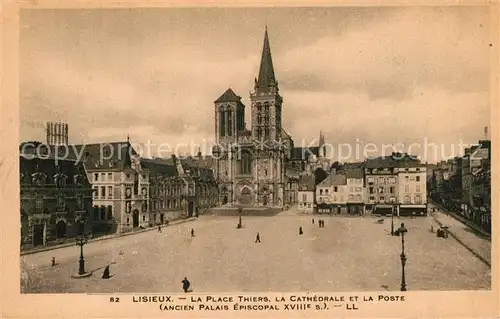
306, 194
332, 195
412, 190
56, 200
381, 185
355, 191
251, 164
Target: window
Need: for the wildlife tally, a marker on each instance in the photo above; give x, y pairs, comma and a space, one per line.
407, 188
144, 176
382, 198
143, 218
102, 211
326, 191
80, 204
95, 193
392, 180
380, 190
110, 176
358, 189
372, 198
246, 163
110, 192
418, 178
95, 209
370, 180
39, 203
110, 212
370, 190
358, 197
407, 178
407, 199
103, 175
381, 180
304, 198
103, 191
417, 188
391, 190
321, 191
128, 220
128, 176
418, 199
96, 177
351, 197
335, 189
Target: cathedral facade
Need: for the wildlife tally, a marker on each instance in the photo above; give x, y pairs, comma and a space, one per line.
251, 165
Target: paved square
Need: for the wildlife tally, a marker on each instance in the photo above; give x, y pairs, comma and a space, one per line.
349, 254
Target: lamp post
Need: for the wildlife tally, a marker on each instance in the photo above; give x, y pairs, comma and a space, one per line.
81, 240
402, 231
392, 221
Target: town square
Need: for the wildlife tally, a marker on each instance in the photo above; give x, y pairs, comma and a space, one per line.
257, 154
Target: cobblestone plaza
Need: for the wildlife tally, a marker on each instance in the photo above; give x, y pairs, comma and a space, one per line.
348, 254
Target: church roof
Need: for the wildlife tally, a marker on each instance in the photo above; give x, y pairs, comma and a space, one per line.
266, 70
228, 96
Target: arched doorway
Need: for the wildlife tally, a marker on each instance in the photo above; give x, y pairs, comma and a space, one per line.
61, 229
246, 195
135, 218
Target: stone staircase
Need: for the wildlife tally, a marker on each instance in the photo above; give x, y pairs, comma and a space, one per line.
246, 210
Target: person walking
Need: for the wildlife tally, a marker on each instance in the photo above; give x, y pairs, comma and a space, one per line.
192, 232
185, 284
313, 221
300, 230
257, 238
159, 228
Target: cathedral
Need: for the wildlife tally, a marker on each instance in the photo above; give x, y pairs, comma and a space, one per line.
255, 166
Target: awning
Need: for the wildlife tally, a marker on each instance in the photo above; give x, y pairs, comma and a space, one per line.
412, 206
383, 206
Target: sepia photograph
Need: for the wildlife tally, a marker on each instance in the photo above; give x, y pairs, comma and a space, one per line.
249, 151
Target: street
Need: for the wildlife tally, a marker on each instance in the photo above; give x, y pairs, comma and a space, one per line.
348, 254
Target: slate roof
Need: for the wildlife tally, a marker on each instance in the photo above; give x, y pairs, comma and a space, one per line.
29, 165
334, 180
354, 173
159, 167
105, 156
228, 96
266, 69
396, 160
307, 183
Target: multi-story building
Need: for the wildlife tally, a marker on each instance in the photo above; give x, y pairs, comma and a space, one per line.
306, 194
355, 190
120, 183
381, 185
332, 194
412, 188
56, 200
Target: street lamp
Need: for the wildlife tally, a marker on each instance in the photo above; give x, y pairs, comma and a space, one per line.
402, 230
392, 221
81, 240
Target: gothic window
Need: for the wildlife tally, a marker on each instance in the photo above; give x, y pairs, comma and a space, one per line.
259, 119
266, 107
266, 133
78, 180
144, 191
229, 123
222, 122
246, 163
407, 199
145, 207
259, 107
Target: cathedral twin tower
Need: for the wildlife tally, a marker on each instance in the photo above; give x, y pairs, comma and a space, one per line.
250, 164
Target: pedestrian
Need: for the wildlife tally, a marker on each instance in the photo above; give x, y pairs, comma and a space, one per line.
300, 230
159, 228
257, 238
192, 232
322, 224
105, 274
186, 284
313, 220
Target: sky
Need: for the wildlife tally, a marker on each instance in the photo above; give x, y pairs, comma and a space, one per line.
362, 75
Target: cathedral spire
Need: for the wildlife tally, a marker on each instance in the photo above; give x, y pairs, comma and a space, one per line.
266, 71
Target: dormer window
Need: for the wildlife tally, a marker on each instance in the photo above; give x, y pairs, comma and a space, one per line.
38, 179
60, 180
78, 180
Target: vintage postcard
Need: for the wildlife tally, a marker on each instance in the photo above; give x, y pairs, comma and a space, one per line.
215, 160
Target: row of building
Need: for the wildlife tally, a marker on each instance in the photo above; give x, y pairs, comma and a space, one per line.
463, 184
393, 184
109, 189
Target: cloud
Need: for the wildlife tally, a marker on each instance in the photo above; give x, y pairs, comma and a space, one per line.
416, 48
